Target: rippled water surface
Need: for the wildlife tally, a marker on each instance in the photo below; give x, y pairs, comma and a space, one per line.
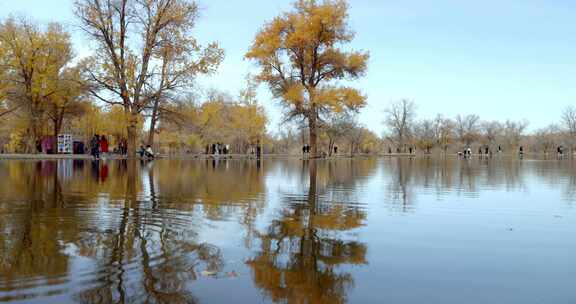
288, 231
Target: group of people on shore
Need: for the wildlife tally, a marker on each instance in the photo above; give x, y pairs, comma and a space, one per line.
306, 150
146, 153
99, 145
467, 152
484, 151
410, 150
218, 149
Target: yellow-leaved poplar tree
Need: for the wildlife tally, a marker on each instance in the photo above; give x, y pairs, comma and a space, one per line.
302, 62
145, 51
69, 98
32, 59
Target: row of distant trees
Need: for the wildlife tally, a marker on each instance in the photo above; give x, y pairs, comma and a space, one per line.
405, 131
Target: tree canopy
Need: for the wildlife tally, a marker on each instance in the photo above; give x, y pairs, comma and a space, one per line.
301, 59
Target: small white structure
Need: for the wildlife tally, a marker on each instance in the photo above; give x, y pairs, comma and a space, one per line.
65, 144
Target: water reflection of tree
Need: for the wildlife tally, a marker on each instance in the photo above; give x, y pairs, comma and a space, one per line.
441, 176
570, 188
400, 191
142, 251
29, 247
220, 187
154, 242
562, 173
301, 250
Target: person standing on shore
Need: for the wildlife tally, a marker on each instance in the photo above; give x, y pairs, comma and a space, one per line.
95, 147
123, 147
149, 153
103, 144
142, 151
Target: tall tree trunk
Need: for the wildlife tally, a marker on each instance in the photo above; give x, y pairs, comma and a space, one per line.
313, 135
152, 130
132, 135
58, 122
55, 142
35, 134
153, 121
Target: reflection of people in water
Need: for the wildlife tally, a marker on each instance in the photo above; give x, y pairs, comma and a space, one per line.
104, 172
95, 170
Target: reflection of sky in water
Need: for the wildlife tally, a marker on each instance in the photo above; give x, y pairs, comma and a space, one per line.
388, 230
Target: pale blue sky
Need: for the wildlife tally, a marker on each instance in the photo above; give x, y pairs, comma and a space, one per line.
497, 58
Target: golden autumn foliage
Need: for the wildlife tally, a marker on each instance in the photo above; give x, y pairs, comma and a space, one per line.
221, 118
299, 58
97, 120
32, 76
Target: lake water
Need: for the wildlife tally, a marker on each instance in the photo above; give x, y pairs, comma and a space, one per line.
239, 231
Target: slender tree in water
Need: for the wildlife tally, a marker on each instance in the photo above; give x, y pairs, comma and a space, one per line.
300, 60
